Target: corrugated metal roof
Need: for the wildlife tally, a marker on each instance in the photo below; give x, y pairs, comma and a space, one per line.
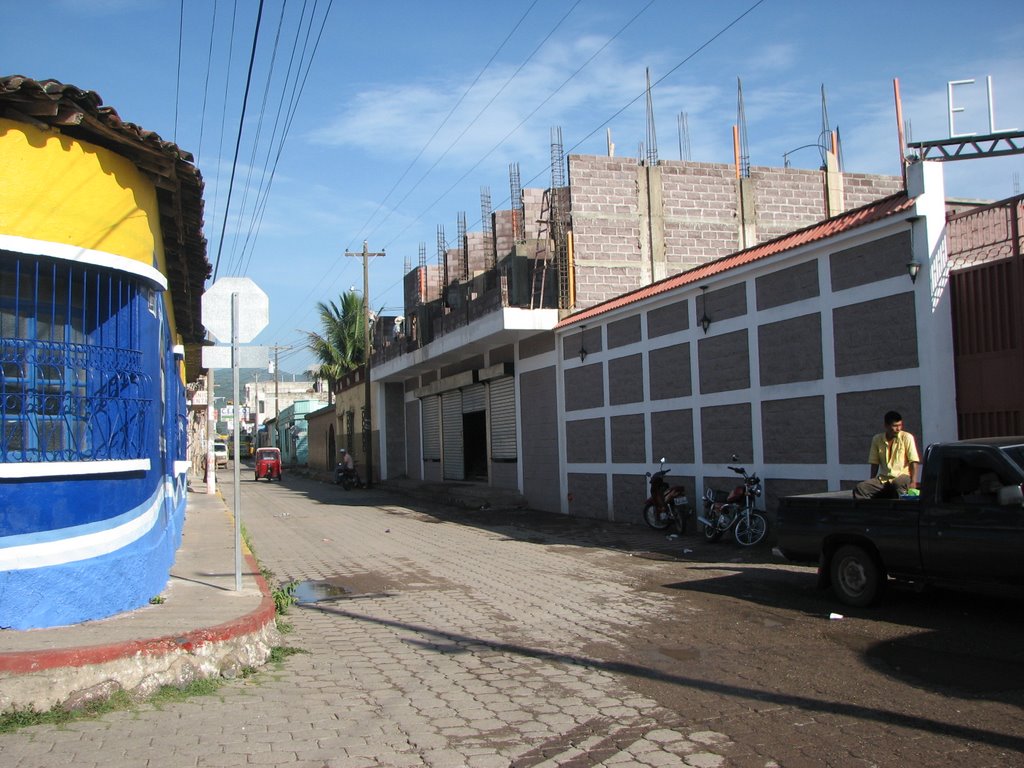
880, 209
81, 115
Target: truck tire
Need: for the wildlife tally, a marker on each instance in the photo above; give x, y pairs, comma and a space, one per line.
856, 576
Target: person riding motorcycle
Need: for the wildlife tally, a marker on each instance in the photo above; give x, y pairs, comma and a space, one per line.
345, 471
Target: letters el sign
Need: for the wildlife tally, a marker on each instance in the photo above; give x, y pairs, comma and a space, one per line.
953, 110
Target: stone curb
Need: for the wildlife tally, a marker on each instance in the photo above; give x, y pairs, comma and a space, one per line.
70, 678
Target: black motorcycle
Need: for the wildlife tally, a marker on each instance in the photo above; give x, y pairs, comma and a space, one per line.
347, 477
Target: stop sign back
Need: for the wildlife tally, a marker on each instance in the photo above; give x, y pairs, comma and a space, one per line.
253, 309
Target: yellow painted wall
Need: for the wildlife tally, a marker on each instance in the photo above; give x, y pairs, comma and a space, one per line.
60, 190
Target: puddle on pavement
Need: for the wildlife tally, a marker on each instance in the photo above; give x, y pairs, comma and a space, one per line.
681, 654
315, 591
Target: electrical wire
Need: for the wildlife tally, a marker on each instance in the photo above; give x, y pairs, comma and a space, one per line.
489, 103
238, 141
251, 165
522, 122
177, 81
633, 101
319, 286
296, 94
206, 83
360, 236
223, 112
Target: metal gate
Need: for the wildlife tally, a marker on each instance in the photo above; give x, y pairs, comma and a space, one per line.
451, 435
987, 286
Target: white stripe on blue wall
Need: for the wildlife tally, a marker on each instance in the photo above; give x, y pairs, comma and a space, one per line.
81, 542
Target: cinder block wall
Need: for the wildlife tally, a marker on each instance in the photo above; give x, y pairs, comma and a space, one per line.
698, 219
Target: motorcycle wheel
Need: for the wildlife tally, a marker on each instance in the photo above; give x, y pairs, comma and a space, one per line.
652, 519
347, 483
749, 535
711, 533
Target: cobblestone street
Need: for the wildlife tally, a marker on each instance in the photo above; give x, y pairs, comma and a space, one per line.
438, 637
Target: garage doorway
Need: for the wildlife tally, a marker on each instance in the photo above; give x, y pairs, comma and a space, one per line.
474, 445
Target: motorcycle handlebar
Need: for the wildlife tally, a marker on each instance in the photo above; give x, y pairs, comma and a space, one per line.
743, 471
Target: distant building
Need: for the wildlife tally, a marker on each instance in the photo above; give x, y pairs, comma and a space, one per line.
291, 432
265, 398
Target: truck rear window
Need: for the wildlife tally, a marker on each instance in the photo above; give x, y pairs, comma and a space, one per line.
1016, 453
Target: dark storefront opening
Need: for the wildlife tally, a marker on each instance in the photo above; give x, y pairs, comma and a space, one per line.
474, 445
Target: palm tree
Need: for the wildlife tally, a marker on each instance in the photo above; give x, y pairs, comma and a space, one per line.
339, 345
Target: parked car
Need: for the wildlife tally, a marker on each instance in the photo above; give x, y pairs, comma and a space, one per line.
268, 463
965, 528
220, 453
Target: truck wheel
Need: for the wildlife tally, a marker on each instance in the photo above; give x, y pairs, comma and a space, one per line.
856, 577
749, 535
653, 519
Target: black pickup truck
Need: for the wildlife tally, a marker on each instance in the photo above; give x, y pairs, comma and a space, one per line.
966, 527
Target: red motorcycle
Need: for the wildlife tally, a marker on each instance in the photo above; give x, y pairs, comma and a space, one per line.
667, 505
735, 509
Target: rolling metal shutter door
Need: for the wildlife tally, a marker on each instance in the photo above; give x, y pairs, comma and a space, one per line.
431, 428
503, 419
474, 398
451, 435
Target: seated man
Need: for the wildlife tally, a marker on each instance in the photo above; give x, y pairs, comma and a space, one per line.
894, 459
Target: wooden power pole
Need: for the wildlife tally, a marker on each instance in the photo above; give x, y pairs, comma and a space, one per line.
367, 350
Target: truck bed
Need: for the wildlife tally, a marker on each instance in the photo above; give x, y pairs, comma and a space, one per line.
806, 521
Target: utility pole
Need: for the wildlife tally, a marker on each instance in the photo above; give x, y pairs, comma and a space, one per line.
367, 419
277, 399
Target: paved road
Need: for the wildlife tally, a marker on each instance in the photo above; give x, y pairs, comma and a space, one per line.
445, 638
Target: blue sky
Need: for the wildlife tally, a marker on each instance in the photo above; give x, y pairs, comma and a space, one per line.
410, 107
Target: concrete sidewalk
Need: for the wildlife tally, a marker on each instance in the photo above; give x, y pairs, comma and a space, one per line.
204, 628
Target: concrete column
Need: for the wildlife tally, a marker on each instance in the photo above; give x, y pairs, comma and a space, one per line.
835, 202
929, 248
747, 219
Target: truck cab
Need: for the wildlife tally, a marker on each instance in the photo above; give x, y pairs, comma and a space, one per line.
974, 522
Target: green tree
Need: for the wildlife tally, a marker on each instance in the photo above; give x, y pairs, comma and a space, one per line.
339, 346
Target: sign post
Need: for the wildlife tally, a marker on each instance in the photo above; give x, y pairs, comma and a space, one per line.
223, 316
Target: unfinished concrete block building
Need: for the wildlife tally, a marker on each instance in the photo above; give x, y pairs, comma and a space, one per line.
474, 394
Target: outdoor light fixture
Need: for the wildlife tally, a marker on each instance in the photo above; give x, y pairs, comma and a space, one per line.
705, 321
583, 350
913, 267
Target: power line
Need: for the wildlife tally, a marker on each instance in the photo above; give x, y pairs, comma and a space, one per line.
206, 83
296, 95
445, 122
522, 122
238, 140
633, 101
256, 139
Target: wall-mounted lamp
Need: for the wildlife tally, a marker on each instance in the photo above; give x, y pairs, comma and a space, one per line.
583, 350
705, 321
913, 267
